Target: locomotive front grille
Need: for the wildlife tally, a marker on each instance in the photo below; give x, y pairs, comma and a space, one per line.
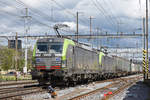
48, 63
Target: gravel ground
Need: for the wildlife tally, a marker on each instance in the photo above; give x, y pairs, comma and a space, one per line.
138, 91
81, 89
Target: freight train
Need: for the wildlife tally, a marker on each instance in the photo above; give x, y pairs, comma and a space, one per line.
64, 61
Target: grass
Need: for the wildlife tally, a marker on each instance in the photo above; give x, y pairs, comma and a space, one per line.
13, 78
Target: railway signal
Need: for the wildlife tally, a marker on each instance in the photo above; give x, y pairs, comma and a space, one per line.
147, 39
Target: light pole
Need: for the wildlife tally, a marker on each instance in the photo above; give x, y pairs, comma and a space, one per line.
147, 67
77, 26
26, 17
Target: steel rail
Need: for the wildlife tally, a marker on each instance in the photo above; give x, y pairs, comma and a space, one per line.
20, 93
17, 83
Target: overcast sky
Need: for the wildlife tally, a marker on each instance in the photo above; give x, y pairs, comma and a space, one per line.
108, 15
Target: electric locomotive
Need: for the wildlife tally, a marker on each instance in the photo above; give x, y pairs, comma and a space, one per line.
64, 61
60, 59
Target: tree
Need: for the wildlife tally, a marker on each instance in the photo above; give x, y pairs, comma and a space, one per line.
6, 58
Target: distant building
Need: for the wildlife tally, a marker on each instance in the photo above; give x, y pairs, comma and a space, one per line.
12, 44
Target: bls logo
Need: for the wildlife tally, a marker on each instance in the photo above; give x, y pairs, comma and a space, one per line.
58, 59
38, 60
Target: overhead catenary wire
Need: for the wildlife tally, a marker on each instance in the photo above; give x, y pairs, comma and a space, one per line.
112, 16
115, 18
133, 28
101, 12
4, 3
69, 12
35, 12
8, 12
19, 16
65, 15
136, 21
16, 15
41, 15
106, 13
140, 10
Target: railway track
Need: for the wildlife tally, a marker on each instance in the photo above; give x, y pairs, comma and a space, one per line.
16, 86
15, 90
19, 91
114, 87
17, 94
17, 83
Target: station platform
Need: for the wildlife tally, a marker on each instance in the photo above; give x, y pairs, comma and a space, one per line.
138, 91
147, 82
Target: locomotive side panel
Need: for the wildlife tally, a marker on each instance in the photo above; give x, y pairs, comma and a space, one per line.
119, 65
108, 64
85, 60
69, 57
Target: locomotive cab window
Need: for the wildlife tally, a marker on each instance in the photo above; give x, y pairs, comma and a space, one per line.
55, 47
42, 46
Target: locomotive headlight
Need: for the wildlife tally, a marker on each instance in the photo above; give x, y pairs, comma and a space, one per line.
63, 65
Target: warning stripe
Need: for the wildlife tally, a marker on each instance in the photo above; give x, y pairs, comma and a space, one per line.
144, 51
147, 67
144, 61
